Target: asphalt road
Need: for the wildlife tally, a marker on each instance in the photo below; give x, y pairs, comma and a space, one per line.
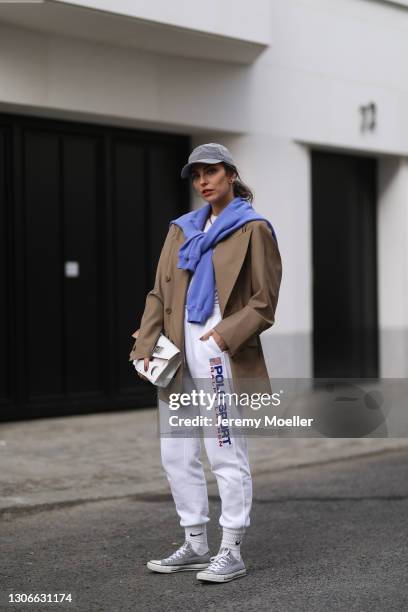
327, 537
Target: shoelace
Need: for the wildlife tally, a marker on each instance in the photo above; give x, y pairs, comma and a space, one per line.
219, 560
178, 553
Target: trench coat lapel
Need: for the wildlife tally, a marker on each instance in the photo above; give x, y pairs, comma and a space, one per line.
228, 257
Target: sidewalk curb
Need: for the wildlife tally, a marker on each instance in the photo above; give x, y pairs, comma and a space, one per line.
165, 495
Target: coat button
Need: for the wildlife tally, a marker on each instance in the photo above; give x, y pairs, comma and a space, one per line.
167, 278
168, 310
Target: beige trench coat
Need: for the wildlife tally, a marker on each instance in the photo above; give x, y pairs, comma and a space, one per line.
248, 271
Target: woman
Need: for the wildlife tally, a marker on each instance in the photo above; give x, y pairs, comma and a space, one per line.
216, 289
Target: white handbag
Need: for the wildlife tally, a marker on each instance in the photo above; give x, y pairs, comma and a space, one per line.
166, 359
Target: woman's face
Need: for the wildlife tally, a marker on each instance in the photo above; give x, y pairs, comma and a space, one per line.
211, 182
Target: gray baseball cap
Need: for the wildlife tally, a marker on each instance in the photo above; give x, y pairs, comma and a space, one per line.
210, 153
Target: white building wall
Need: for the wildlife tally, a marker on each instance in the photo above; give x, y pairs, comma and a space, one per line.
326, 58
393, 266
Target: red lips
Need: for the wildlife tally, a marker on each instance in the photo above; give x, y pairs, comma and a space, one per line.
207, 191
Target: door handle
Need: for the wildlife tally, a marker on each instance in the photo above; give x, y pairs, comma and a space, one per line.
71, 269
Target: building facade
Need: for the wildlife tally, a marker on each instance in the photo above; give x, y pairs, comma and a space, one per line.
101, 102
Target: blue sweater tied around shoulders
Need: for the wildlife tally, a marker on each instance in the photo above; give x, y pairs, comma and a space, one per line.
196, 252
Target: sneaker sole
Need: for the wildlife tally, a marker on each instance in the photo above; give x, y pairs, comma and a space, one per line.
220, 577
170, 569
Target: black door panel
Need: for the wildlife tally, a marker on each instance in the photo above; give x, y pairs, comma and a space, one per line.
345, 327
83, 214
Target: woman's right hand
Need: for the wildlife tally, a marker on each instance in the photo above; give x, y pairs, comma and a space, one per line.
146, 359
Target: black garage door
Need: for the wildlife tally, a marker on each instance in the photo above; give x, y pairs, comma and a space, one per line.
345, 313
83, 213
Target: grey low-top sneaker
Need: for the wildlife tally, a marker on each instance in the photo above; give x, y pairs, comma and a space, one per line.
223, 568
184, 559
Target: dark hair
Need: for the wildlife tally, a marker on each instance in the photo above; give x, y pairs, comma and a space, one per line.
240, 188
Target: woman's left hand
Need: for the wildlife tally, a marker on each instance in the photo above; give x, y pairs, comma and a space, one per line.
218, 339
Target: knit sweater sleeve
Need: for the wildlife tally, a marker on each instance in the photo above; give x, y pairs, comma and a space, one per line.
206, 228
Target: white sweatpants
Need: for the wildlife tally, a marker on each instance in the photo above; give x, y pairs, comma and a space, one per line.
227, 454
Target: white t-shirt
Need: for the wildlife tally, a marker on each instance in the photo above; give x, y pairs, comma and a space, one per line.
206, 228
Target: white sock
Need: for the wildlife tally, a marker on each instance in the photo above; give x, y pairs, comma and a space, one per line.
232, 539
197, 536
